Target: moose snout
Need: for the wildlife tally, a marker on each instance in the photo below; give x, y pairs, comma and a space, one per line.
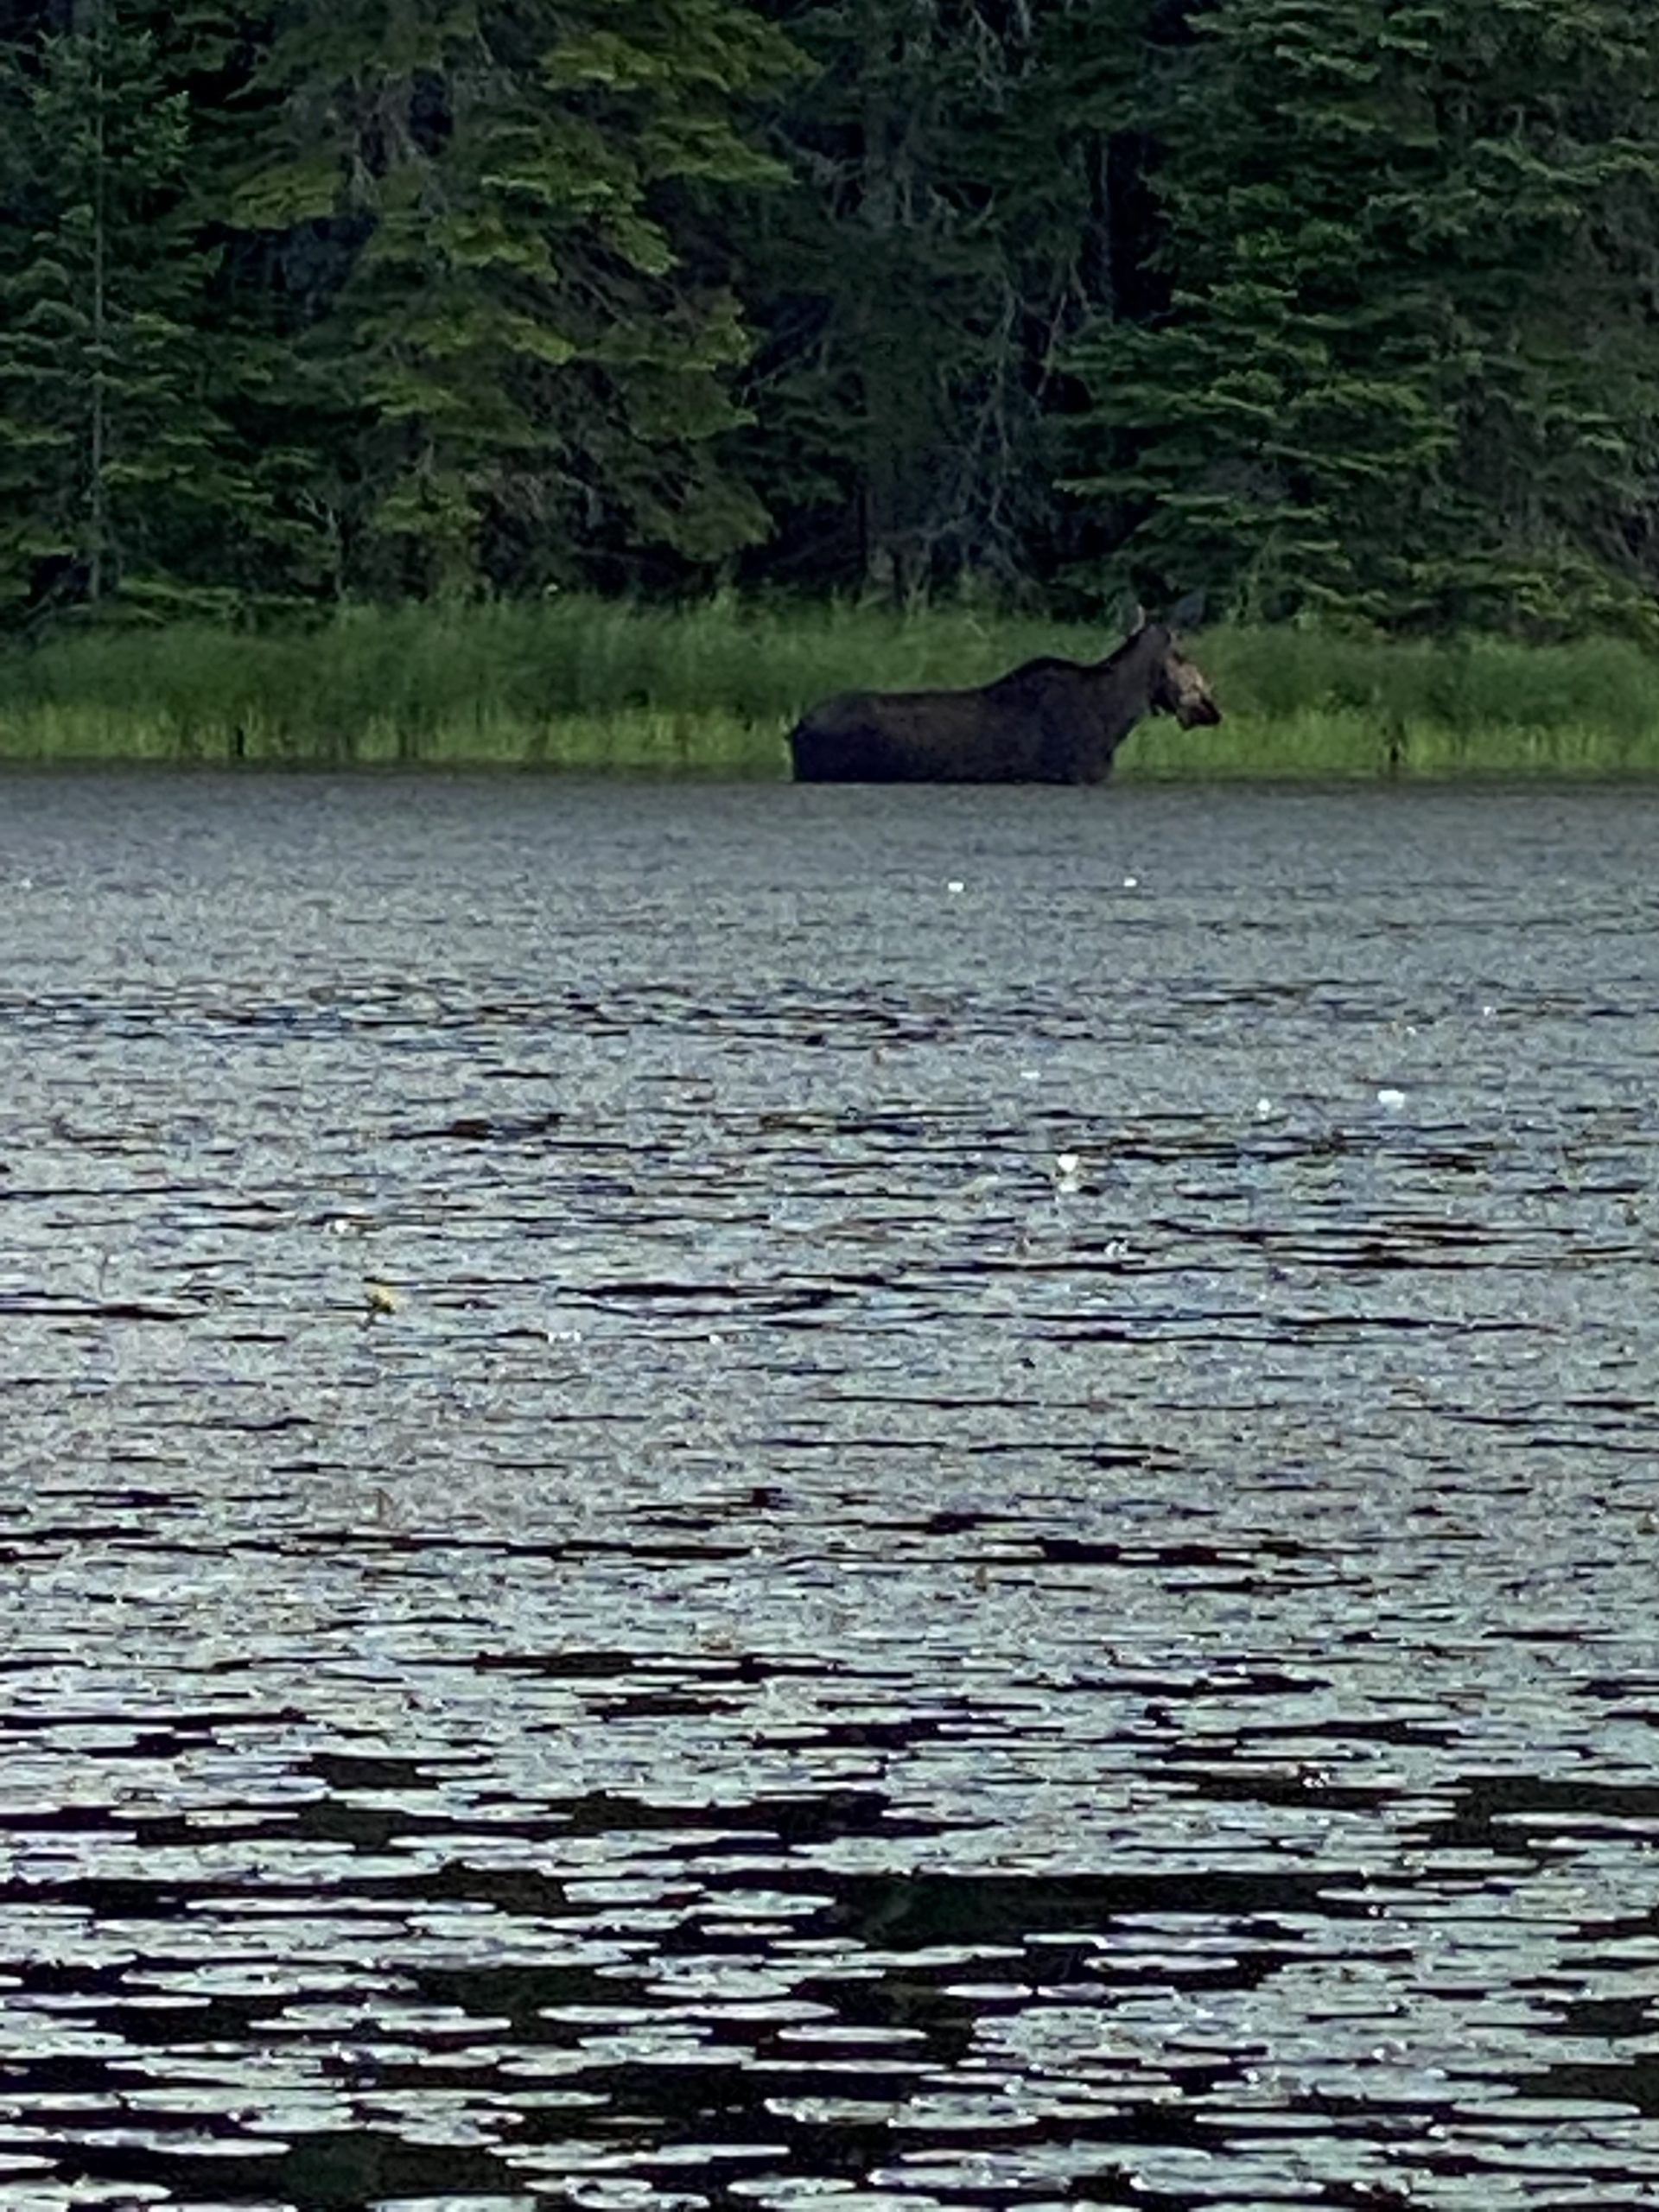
1197, 714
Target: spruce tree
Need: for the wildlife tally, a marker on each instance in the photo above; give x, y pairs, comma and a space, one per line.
942, 236
1405, 370
114, 487
532, 339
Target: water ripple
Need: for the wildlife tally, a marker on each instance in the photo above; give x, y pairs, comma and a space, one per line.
690, 1525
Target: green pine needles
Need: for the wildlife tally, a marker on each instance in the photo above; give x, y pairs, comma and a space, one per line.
526, 370
114, 480
1405, 368
1340, 310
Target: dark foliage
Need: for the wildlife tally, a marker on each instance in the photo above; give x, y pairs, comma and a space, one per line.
1344, 310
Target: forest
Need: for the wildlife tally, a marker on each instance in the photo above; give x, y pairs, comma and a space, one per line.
1338, 309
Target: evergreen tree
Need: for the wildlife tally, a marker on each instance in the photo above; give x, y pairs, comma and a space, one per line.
534, 359
943, 233
114, 486
1407, 369
1327, 304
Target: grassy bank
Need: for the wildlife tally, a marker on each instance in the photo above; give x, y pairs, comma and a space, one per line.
585, 686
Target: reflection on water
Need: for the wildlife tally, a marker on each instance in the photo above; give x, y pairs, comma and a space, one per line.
691, 1519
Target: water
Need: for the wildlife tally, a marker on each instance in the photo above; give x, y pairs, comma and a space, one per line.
780, 1498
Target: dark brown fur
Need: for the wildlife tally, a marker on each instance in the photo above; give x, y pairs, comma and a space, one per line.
1051, 722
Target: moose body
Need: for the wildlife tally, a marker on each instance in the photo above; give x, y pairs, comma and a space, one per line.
1050, 721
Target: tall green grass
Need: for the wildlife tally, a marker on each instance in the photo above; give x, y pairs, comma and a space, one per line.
588, 685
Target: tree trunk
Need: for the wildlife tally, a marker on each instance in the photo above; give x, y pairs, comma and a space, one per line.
98, 488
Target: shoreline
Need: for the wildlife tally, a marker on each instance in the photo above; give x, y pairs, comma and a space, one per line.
598, 688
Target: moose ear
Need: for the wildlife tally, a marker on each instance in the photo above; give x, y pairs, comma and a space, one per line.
1188, 612
1133, 616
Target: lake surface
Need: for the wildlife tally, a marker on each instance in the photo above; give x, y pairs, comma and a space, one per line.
755, 1497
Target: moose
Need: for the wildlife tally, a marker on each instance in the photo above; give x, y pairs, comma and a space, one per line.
1048, 721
